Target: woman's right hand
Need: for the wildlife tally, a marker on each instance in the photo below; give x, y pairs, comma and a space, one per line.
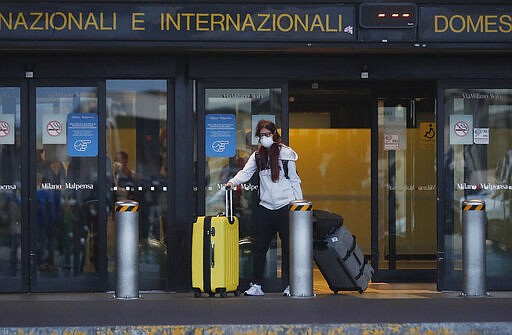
229, 186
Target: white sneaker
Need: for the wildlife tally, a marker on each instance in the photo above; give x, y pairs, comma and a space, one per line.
286, 292
254, 290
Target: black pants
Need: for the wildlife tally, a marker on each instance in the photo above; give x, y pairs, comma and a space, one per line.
269, 222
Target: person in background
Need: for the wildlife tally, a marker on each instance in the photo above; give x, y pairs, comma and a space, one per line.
123, 177
279, 184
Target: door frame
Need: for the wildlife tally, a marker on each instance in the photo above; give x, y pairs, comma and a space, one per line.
447, 277
21, 283
271, 284
400, 90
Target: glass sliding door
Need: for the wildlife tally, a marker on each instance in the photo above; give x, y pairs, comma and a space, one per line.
230, 116
367, 152
136, 136
477, 164
65, 229
10, 188
406, 187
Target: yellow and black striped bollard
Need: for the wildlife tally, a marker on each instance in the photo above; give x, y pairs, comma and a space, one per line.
301, 248
474, 230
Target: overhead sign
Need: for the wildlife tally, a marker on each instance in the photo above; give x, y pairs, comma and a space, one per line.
176, 22
465, 24
82, 134
220, 135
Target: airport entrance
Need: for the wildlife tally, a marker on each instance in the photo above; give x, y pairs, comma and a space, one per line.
367, 152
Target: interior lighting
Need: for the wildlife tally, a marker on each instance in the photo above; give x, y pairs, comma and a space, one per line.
381, 15
395, 15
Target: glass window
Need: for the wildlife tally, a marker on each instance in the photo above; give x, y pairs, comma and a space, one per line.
478, 165
247, 106
407, 183
65, 230
137, 169
10, 182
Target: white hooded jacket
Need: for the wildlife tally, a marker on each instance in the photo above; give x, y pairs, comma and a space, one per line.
274, 195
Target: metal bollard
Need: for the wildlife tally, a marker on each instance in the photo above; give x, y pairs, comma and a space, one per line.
127, 249
301, 248
473, 247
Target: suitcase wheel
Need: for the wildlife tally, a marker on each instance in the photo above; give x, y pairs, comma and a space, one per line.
360, 291
237, 292
197, 293
222, 292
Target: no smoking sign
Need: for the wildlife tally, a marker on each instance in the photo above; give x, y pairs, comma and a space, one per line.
461, 129
6, 129
54, 128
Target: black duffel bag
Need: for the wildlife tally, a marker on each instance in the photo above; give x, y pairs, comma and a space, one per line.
325, 223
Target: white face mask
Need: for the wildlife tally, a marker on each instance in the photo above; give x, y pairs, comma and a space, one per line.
267, 141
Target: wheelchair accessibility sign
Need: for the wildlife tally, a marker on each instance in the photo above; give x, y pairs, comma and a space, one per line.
220, 135
82, 131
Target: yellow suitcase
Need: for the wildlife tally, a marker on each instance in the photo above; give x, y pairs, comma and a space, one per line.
215, 264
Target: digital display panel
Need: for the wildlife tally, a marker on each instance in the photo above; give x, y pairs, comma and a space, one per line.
389, 15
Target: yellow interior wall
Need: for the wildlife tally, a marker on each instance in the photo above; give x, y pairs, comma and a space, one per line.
335, 168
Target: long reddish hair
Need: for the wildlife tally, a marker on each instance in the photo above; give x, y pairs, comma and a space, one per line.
271, 153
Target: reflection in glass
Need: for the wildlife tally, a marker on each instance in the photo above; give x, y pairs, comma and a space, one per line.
10, 186
137, 169
479, 167
65, 231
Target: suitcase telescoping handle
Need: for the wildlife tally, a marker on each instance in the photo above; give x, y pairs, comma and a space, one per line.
229, 204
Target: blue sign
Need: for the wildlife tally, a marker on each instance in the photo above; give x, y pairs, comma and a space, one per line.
82, 131
220, 135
